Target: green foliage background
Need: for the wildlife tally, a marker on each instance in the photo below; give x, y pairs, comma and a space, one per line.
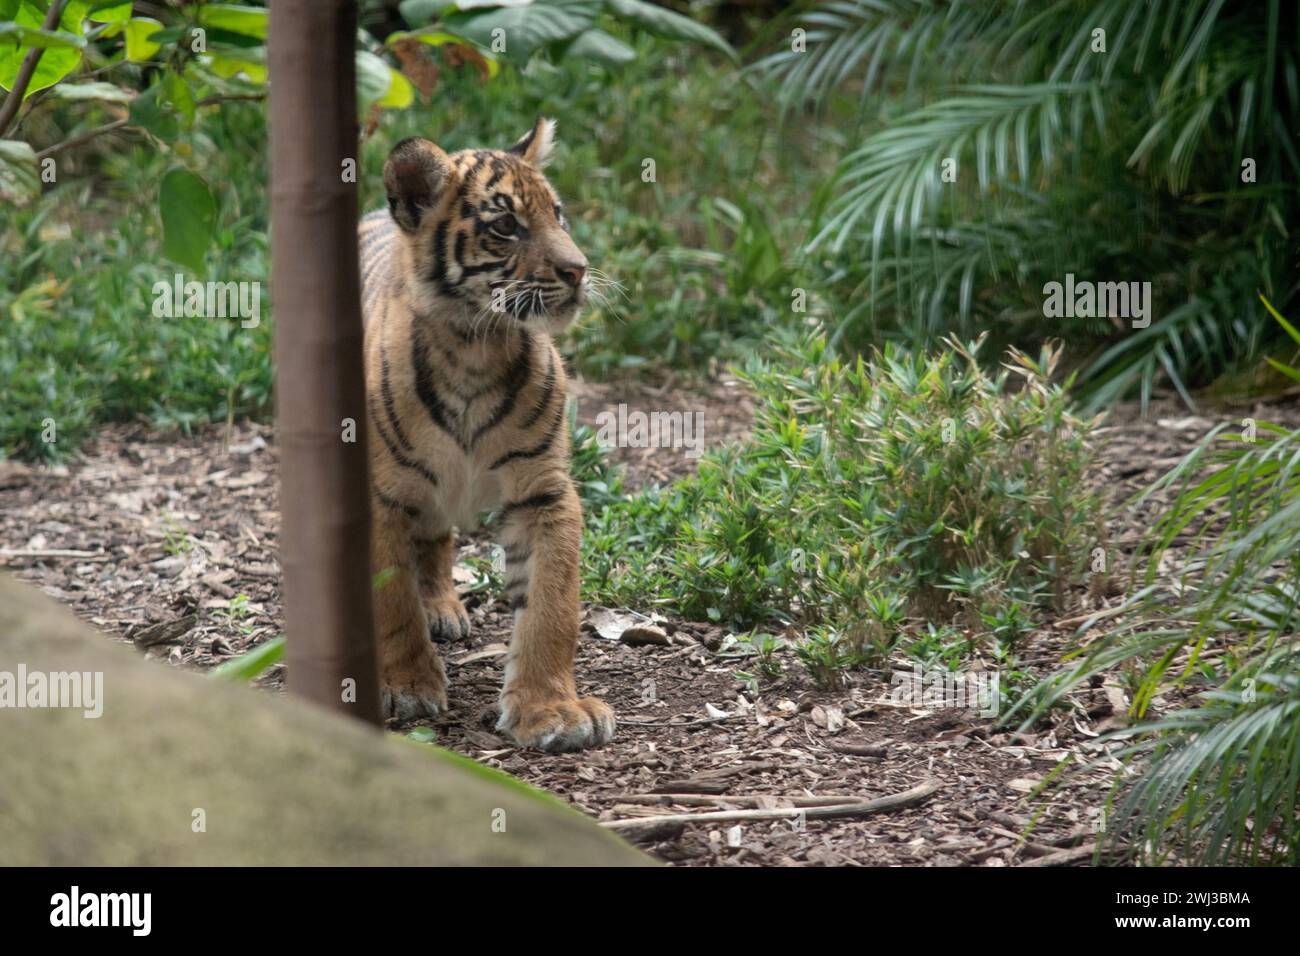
797, 226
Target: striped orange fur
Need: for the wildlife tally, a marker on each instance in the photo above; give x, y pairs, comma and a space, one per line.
465, 279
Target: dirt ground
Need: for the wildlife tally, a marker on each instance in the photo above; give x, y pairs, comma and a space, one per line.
168, 542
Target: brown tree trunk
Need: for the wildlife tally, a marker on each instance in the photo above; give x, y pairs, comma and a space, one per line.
324, 497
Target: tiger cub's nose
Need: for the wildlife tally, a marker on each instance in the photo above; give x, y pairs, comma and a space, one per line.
572, 272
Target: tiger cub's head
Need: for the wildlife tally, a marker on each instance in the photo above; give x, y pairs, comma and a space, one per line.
486, 230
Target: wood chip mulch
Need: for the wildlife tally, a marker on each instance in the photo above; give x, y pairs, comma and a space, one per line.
168, 542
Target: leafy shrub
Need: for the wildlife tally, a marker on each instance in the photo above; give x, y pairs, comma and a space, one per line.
869, 492
598, 480
825, 654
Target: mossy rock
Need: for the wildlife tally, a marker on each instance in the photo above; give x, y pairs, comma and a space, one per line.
278, 781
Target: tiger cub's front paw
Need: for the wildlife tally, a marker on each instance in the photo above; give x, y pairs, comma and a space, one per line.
448, 619
556, 724
416, 687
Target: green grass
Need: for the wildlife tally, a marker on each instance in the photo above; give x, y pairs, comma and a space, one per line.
79, 343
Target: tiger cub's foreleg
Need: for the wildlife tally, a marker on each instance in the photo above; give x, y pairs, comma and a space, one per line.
541, 535
447, 618
415, 684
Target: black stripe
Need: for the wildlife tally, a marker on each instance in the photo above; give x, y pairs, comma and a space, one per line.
539, 449
425, 390
519, 603
519, 553
548, 387
458, 253
394, 504
398, 457
521, 147
520, 369
463, 190
544, 499
386, 391
431, 542
516, 584
439, 274
482, 267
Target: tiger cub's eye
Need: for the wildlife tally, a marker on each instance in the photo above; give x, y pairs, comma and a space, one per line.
507, 225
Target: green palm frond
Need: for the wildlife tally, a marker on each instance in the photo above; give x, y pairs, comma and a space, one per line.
865, 41
1219, 781
938, 276
1238, 502
1190, 339
894, 176
1179, 94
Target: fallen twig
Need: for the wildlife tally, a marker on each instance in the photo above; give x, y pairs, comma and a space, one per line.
256, 571
1064, 857
681, 723
166, 632
743, 800
47, 553
716, 780
1073, 838
859, 750
892, 802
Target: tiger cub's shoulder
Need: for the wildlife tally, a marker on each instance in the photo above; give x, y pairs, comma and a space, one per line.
376, 234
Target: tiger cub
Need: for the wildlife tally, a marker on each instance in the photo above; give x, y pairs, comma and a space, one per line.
465, 278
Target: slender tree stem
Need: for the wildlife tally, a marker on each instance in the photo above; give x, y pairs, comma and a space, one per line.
80, 138
229, 98
15, 98
87, 136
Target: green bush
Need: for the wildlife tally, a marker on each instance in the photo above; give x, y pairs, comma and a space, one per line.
904, 486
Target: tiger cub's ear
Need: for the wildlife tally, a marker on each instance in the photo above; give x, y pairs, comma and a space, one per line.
536, 147
414, 175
